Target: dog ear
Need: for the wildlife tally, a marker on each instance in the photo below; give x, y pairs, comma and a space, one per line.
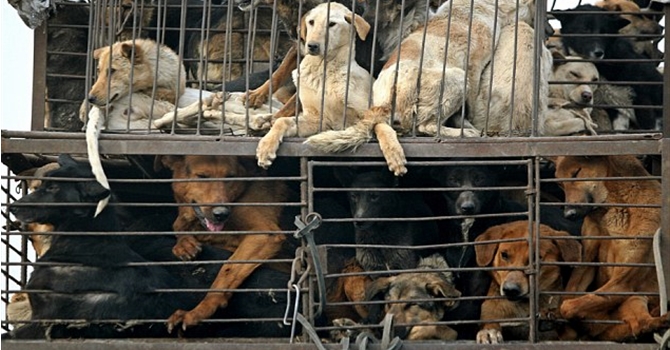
552, 159
485, 252
376, 290
66, 160
442, 289
345, 175
571, 250
128, 50
92, 190
619, 22
361, 25
558, 56
302, 30
563, 17
167, 161
98, 52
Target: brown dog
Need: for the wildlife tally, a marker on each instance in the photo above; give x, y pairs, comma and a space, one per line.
513, 284
602, 221
409, 296
211, 213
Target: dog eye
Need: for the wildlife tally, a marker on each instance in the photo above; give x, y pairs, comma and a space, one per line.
331, 24
202, 176
52, 188
594, 79
574, 175
504, 256
310, 22
575, 75
374, 197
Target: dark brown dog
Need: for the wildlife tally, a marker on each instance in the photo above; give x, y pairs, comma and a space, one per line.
631, 222
513, 284
409, 300
211, 213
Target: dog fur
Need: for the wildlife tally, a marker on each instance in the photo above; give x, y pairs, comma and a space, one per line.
574, 78
514, 284
419, 107
640, 24
144, 60
104, 286
602, 48
564, 117
211, 213
511, 84
344, 81
400, 291
634, 311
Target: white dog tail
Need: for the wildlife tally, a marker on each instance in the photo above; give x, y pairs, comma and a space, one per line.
93, 127
336, 141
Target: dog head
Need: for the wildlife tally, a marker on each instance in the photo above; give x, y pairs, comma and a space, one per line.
467, 201
575, 78
514, 283
410, 296
513, 11
337, 21
29, 209
390, 11
639, 22
41, 243
369, 204
114, 67
581, 192
596, 22
208, 192
248, 5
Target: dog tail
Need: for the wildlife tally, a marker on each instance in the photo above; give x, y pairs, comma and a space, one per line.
374, 120
336, 141
93, 127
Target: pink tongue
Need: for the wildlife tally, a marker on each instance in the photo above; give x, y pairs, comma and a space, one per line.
213, 227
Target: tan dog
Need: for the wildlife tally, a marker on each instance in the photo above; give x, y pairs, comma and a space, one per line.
511, 84
152, 65
513, 284
603, 221
639, 25
346, 81
408, 296
574, 80
424, 107
212, 214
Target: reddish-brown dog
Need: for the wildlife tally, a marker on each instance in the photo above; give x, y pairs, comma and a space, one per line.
211, 213
514, 284
629, 223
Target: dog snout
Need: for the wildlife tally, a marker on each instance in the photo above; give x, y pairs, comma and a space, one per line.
221, 214
468, 207
598, 53
570, 213
92, 99
313, 48
587, 96
362, 225
512, 290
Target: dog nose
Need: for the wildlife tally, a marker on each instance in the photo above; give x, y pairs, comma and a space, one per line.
570, 213
587, 96
598, 53
511, 291
91, 99
220, 213
468, 208
313, 48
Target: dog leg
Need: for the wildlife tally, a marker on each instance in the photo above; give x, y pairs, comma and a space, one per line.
420, 332
391, 149
266, 152
231, 276
187, 247
635, 313
289, 109
354, 288
259, 96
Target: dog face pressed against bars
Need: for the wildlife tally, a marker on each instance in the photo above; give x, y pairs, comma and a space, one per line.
150, 66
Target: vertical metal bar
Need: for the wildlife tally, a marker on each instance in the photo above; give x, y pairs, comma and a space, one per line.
39, 78
665, 186
540, 19
307, 193
666, 84
533, 254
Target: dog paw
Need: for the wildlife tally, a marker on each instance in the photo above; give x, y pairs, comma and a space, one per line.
337, 334
489, 336
261, 122
186, 248
185, 318
266, 152
471, 132
256, 98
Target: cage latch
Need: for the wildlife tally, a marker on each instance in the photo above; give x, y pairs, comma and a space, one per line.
304, 231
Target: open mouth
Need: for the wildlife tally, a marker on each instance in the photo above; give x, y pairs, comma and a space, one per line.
211, 225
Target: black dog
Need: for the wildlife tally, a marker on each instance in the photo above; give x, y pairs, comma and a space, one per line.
603, 48
88, 277
463, 200
382, 205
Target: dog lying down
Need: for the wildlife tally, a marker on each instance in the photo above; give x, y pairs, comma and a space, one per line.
136, 113
94, 272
